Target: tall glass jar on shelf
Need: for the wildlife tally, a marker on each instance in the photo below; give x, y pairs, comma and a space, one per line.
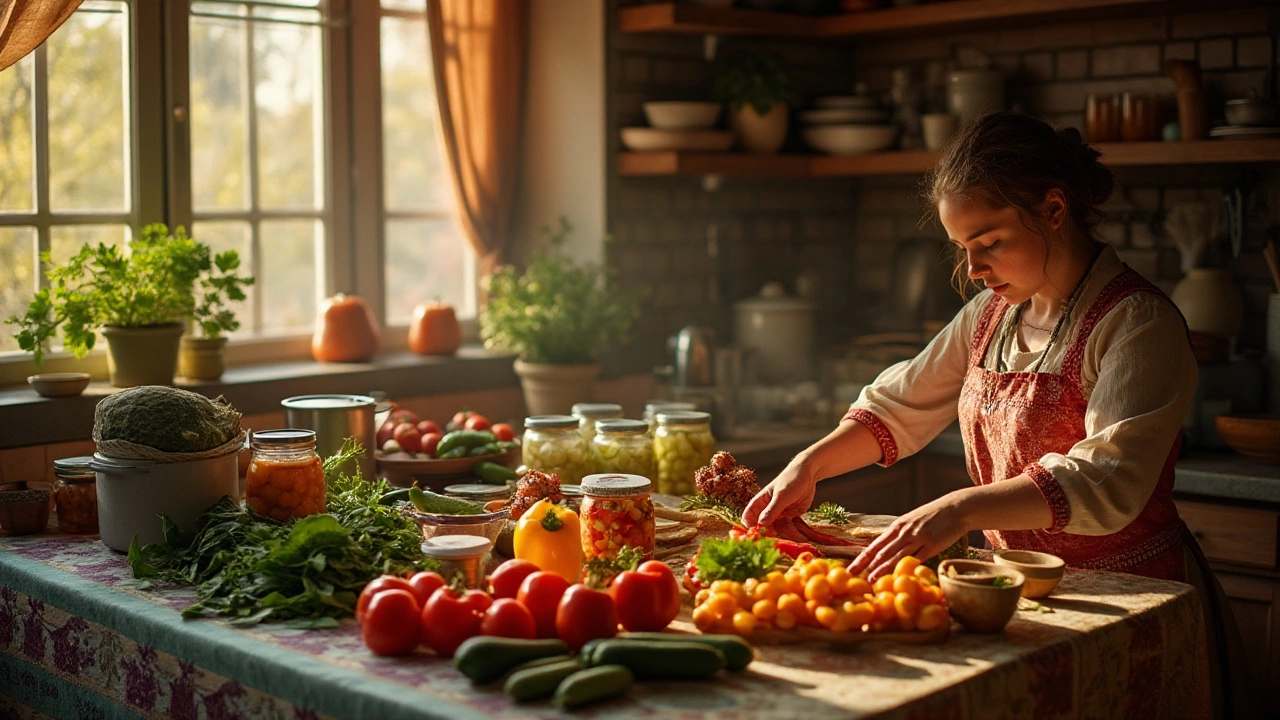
589, 414
682, 443
553, 444
653, 407
623, 446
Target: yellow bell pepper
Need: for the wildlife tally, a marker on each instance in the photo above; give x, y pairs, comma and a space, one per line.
547, 535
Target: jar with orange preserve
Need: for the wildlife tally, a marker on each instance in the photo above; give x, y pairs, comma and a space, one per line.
616, 511
75, 493
285, 478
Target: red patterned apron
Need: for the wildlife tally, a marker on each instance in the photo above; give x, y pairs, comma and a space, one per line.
1011, 420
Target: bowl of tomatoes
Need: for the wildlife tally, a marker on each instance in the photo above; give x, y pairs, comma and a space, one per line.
413, 449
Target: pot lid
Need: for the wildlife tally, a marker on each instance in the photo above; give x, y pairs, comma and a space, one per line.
326, 402
774, 297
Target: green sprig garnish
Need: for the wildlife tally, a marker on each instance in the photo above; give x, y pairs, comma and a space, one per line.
829, 513
737, 560
716, 506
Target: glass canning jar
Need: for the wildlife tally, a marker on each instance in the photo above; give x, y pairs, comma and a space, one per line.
616, 512
682, 443
553, 444
589, 414
75, 493
285, 477
623, 446
653, 407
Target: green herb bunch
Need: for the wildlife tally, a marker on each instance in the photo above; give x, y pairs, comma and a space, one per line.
555, 312
755, 80
737, 560
154, 282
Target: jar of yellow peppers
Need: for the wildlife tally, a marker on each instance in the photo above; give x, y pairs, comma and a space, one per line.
682, 443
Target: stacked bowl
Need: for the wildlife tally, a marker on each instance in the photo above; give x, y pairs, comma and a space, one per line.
848, 125
678, 125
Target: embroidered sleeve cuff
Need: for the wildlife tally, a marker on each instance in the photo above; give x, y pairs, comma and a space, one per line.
888, 446
1048, 486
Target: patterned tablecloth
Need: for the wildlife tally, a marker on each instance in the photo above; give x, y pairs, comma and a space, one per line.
79, 639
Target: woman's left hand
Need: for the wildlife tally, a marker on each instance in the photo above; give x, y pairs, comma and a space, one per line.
923, 532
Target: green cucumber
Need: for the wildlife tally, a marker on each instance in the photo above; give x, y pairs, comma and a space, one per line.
394, 497
464, 438
458, 452
661, 660
482, 450
597, 683
493, 473
486, 658
541, 681
548, 660
738, 653
429, 502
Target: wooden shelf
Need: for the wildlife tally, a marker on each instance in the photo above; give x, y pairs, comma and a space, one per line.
671, 17
1199, 152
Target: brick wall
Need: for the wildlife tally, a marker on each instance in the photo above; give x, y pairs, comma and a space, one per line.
847, 229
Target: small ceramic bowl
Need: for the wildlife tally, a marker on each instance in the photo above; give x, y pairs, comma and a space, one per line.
63, 384
1042, 570
975, 602
24, 512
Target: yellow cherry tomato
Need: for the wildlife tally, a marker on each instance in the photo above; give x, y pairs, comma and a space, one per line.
792, 604
765, 610
885, 610
777, 579
810, 607
704, 619
795, 582
744, 623
722, 604
826, 616
813, 569
784, 620
701, 597
906, 566
859, 614
883, 584
932, 617
926, 575
838, 577
817, 588
905, 605
907, 584
749, 585
766, 591
932, 595
857, 587
803, 559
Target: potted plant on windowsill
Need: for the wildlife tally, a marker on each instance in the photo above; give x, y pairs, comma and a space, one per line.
759, 90
555, 317
139, 298
203, 356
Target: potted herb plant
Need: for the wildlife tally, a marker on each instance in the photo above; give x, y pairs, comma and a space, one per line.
759, 90
203, 356
555, 317
139, 299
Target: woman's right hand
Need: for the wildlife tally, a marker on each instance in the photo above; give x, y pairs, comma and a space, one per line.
788, 495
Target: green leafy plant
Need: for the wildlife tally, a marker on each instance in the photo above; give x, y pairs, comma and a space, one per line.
154, 282
736, 560
555, 312
755, 80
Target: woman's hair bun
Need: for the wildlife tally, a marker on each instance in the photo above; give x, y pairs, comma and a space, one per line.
1095, 181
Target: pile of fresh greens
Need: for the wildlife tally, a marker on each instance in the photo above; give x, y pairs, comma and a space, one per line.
737, 560
306, 572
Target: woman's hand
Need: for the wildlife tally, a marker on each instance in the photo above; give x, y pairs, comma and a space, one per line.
789, 495
923, 533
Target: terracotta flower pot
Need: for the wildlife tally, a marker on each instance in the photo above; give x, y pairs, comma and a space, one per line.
142, 355
553, 389
202, 358
758, 133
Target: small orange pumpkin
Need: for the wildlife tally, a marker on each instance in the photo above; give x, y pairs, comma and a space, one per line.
435, 330
345, 331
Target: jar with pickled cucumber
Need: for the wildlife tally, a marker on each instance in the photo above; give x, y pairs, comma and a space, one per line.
616, 512
589, 414
653, 407
623, 446
553, 444
682, 443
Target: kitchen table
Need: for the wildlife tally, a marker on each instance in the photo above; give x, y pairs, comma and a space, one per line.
79, 638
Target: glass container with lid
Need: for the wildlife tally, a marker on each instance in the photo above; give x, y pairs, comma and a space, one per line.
459, 554
75, 492
553, 444
682, 443
589, 414
285, 477
622, 446
616, 512
653, 407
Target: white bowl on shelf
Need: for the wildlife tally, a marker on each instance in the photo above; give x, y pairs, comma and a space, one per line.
644, 139
864, 102
850, 139
844, 116
677, 115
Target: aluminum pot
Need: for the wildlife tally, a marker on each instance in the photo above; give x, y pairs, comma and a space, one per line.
132, 494
336, 418
780, 331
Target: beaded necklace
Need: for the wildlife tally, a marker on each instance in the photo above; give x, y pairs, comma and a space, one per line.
1012, 325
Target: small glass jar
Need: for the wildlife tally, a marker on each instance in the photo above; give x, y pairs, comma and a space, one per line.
75, 491
682, 443
553, 444
589, 414
459, 554
622, 446
285, 477
616, 512
654, 407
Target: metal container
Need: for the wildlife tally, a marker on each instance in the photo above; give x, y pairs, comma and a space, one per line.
780, 331
336, 418
694, 350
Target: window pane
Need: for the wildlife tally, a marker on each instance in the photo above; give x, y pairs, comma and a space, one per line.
236, 235
414, 172
88, 127
219, 108
418, 5
426, 259
17, 158
66, 240
287, 281
17, 278
287, 76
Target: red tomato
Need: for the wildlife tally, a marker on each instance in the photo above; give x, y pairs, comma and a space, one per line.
424, 584
541, 593
508, 618
476, 422
503, 432
647, 598
429, 443
447, 621
459, 420
426, 426
585, 614
375, 586
398, 416
390, 624
477, 600
504, 582
408, 436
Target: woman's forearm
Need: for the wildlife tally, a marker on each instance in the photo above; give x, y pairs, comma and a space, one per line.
849, 447
1014, 504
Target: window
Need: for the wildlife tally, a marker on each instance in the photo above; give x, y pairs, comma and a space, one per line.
253, 131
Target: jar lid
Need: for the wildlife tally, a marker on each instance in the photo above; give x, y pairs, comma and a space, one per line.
596, 409
548, 422
683, 417
74, 468
622, 426
456, 547
283, 438
615, 485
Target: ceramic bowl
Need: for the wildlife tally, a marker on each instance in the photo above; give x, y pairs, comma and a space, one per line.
1042, 570
840, 116
1252, 111
681, 115
975, 602
645, 139
487, 525
1257, 436
63, 384
850, 139
24, 512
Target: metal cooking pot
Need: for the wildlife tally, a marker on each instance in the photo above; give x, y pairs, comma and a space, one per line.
336, 418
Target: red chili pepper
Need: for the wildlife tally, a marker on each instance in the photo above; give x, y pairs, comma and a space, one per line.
817, 536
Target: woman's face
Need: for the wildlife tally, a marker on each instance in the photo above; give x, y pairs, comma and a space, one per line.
1002, 253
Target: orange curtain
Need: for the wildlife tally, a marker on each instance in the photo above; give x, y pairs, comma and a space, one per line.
24, 24
478, 50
